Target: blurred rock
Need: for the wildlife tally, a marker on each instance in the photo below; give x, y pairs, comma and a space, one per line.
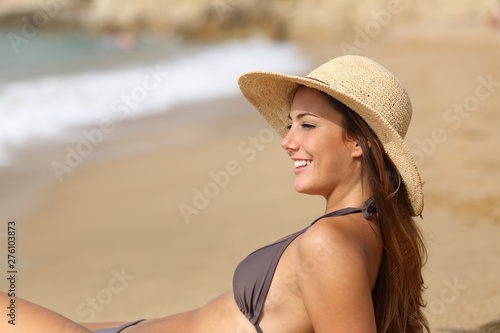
45, 14
305, 20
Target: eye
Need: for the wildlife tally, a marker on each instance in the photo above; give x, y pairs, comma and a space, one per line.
288, 127
308, 126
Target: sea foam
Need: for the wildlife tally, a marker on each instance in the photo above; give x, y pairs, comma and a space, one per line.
50, 106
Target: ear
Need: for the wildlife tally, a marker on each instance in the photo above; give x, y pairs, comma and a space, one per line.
356, 149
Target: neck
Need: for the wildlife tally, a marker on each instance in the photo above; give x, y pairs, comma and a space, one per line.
349, 195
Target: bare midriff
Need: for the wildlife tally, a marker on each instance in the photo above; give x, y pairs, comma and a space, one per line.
220, 315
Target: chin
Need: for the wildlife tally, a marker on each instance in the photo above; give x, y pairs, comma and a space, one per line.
301, 188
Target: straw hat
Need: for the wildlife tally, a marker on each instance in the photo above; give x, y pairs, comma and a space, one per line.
360, 83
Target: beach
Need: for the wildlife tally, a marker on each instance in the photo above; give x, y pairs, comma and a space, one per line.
158, 215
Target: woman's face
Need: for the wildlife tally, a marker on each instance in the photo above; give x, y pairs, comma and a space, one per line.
324, 162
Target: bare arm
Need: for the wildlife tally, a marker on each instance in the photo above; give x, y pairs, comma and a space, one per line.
31, 318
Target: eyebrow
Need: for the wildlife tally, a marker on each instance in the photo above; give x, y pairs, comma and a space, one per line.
303, 114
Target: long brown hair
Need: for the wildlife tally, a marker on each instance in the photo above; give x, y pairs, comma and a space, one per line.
397, 294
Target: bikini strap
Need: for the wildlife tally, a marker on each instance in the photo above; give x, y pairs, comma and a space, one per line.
368, 210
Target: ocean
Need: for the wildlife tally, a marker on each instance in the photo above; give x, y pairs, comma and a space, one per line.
55, 82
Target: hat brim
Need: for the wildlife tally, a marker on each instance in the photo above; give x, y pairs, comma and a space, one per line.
269, 92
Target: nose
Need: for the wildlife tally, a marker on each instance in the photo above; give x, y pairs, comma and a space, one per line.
289, 142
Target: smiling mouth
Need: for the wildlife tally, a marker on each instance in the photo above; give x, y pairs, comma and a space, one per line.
301, 165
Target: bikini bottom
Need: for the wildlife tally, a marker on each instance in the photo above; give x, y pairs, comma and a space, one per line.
117, 329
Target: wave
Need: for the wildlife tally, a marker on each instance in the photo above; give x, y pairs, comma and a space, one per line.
50, 106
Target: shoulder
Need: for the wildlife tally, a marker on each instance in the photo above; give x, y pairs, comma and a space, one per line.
339, 239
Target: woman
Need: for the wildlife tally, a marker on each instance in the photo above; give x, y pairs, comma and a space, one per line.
355, 269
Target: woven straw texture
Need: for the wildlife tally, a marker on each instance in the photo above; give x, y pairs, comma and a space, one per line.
360, 83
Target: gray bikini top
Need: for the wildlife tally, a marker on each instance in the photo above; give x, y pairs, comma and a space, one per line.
252, 278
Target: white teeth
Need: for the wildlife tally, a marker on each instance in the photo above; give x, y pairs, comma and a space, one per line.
301, 163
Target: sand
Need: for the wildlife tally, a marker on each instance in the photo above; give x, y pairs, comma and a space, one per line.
110, 241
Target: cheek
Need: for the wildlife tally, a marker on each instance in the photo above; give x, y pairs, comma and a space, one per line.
334, 157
